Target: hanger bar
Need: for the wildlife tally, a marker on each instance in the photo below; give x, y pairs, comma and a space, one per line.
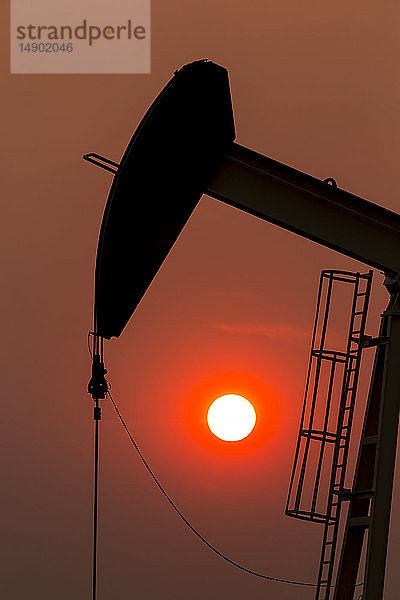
101, 161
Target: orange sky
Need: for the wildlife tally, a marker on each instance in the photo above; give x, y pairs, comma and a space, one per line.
314, 85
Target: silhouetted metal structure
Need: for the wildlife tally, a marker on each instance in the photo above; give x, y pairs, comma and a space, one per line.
183, 148
182, 139
319, 472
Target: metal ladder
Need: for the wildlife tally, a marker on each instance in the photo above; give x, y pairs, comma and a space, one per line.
345, 419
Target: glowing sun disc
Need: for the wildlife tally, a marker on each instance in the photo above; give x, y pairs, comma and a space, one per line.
231, 417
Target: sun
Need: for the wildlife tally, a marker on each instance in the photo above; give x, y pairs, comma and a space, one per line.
231, 417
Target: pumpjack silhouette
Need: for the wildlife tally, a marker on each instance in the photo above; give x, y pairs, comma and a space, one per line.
183, 148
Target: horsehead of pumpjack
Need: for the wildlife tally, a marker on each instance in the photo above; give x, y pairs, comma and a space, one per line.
184, 136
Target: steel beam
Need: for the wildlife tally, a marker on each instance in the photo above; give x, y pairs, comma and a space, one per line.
309, 207
359, 503
385, 461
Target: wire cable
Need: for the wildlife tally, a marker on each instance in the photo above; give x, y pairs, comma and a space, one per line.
97, 388
192, 529
95, 507
88, 344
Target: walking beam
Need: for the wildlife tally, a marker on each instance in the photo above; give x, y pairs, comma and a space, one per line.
309, 207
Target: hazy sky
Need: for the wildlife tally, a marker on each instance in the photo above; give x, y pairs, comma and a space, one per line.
314, 85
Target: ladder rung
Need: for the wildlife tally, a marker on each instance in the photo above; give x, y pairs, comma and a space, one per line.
340, 465
359, 522
361, 294
369, 439
359, 312
349, 495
